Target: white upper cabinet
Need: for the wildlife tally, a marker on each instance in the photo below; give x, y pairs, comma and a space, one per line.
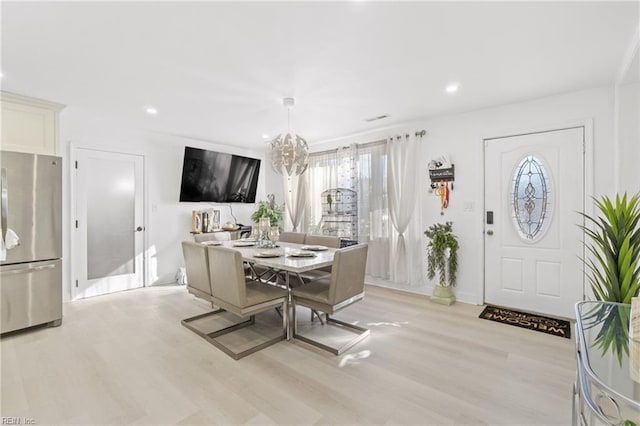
29, 125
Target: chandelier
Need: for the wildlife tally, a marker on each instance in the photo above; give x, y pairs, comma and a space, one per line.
289, 153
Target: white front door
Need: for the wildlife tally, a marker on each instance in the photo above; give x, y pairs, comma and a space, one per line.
109, 241
534, 189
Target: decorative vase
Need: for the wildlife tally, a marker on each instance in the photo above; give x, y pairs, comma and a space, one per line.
443, 295
265, 226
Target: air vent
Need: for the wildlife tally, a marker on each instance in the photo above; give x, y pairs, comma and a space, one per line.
380, 117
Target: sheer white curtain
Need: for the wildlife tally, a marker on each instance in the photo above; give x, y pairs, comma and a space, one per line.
321, 174
373, 207
393, 236
402, 161
295, 198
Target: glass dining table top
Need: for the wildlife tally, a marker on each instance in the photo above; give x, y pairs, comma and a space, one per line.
610, 356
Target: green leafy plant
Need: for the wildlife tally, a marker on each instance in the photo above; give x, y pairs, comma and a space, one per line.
442, 253
615, 245
614, 267
269, 209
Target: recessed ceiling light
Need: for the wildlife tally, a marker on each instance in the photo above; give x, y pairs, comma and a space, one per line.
151, 110
265, 136
452, 88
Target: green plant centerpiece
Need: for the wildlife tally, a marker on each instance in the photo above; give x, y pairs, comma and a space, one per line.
269, 209
442, 258
613, 269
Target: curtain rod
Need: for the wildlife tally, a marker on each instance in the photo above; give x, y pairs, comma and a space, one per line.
419, 133
363, 145
358, 145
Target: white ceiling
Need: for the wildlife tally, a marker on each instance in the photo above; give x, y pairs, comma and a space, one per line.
217, 71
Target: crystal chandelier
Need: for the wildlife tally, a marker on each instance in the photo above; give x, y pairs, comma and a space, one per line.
289, 153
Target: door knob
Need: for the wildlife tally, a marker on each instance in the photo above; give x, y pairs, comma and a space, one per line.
490, 232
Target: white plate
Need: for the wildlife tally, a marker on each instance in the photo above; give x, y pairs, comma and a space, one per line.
302, 254
268, 254
244, 244
315, 248
212, 243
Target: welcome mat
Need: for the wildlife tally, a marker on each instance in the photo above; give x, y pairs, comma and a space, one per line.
557, 327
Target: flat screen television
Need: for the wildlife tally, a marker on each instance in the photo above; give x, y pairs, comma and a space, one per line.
218, 177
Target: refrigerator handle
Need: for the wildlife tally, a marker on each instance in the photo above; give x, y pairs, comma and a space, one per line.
4, 201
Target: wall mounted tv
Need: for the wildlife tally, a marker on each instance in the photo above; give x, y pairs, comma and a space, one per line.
218, 177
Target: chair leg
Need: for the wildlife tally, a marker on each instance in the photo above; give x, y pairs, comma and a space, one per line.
294, 317
211, 337
361, 332
317, 314
285, 318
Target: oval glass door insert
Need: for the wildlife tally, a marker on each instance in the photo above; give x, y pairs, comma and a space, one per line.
531, 198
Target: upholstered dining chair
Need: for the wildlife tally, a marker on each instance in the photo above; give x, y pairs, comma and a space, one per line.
322, 240
196, 264
343, 288
292, 237
242, 296
319, 240
212, 236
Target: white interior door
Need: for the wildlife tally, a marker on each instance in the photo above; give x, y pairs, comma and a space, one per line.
534, 189
109, 228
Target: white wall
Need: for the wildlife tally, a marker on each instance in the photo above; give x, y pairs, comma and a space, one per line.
628, 134
460, 136
167, 221
627, 118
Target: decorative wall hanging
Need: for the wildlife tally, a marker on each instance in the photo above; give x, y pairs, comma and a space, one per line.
442, 176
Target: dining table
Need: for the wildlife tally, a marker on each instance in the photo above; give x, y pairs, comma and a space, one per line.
286, 258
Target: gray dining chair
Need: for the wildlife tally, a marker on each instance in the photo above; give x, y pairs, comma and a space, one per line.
196, 262
343, 288
292, 237
242, 296
318, 240
322, 240
212, 236
196, 265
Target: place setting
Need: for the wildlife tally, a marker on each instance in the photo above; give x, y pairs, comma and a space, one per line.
268, 254
300, 253
244, 243
315, 248
212, 243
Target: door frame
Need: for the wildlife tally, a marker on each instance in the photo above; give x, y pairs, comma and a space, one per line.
587, 179
73, 197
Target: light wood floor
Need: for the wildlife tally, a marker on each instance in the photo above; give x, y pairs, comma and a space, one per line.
126, 359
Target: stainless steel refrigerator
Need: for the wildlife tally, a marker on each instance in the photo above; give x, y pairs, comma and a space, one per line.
31, 272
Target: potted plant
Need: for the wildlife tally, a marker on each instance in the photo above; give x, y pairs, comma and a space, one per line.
442, 257
271, 210
614, 267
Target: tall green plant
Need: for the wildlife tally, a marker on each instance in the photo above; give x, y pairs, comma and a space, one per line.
442, 242
614, 269
271, 210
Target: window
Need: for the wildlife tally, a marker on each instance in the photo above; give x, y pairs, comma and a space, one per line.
531, 198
